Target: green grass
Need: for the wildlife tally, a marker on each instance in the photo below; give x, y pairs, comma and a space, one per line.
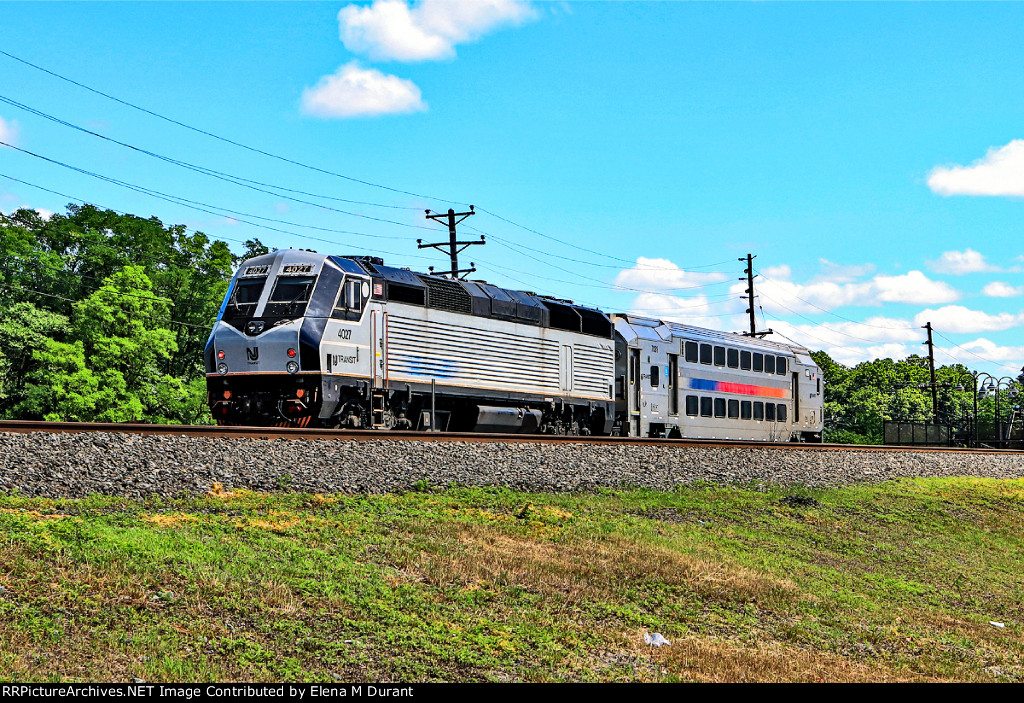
897, 581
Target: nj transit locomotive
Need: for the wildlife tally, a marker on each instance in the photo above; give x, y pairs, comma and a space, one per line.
304, 339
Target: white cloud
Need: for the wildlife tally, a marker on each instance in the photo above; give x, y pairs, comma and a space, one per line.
697, 310
958, 319
976, 353
8, 131
961, 262
353, 91
663, 275
998, 289
394, 30
1000, 172
913, 287
784, 297
840, 273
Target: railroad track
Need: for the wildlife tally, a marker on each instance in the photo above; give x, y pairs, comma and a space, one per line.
295, 433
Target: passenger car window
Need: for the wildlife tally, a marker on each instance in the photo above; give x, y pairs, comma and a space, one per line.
705, 407
745, 361
691, 352
733, 358
719, 407
734, 409
758, 362
655, 376
780, 412
758, 410
705, 353
780, 365
769, 412
691, 405
745, 412
719, 356
769, 363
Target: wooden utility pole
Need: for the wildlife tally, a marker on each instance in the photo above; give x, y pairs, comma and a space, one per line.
931, 368
749, 297
452, 246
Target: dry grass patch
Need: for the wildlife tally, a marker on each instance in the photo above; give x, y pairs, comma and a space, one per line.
169, 519
712, 661
588, 567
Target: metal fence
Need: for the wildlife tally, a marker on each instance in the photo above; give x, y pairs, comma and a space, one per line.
922, 434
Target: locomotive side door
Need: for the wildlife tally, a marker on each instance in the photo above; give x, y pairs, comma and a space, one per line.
379, 344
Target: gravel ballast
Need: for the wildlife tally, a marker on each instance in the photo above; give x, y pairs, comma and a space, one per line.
72, 465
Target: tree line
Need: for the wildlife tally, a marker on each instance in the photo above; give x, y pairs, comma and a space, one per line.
104, 316
859, 399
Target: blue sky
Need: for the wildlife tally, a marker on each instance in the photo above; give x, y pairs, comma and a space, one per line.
870, 155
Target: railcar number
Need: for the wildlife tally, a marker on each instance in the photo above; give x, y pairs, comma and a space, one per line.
345, 333
297, 268
256, 270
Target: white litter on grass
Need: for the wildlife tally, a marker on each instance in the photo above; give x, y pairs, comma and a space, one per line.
993, 623
655, 640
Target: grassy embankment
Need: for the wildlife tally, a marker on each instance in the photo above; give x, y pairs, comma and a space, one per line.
897, 581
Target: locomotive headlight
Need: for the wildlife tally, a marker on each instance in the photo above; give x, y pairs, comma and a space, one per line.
291, 352
222, 369
292, 367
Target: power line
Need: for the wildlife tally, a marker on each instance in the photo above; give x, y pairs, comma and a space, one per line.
220, 138
10, 286
200, 170
231, 178
252, 185
229, 239
288, 160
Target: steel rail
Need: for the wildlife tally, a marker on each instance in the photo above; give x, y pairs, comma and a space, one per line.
296, 433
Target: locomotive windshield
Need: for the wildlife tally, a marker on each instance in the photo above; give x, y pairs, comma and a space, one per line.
290, 296
244, 298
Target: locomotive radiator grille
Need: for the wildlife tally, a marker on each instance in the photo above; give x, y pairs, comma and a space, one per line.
593, 370
474, 357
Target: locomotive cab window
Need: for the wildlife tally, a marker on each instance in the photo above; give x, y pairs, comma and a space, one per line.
691, 353
244, 297
351, 300
290, 296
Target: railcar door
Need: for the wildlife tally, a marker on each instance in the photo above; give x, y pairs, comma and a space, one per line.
634, 395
